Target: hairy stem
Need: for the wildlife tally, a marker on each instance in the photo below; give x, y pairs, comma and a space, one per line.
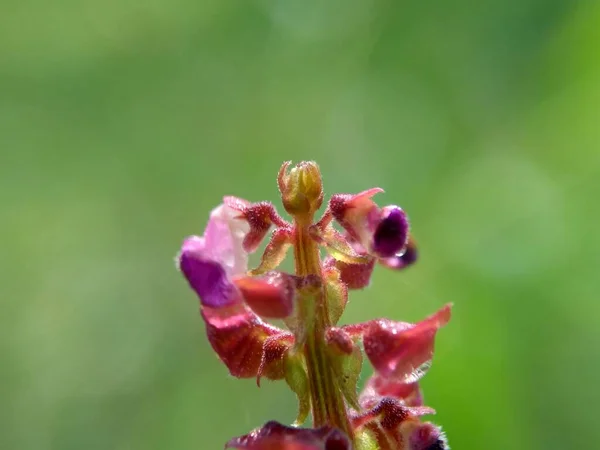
327, 403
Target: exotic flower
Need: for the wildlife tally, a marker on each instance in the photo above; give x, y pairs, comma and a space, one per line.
319, 360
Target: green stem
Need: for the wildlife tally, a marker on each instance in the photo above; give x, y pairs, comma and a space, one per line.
327, 402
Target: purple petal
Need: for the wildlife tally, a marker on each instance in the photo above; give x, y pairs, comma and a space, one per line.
391, 233
408, 258
208, 279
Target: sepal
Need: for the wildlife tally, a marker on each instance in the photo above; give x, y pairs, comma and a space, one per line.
346, 359
259, 216
238, 337
297, 379
337, 293
338, 246
274, 254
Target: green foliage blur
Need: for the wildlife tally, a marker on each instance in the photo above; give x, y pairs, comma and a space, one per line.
122, 123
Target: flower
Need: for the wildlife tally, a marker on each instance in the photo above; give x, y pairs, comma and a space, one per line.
319, 360
382, 232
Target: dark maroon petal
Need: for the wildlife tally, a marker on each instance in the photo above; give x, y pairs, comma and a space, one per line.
208, 279
275, 436
238, 336
391, 233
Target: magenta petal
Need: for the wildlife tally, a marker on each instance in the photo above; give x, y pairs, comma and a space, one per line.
275, 436
208, 279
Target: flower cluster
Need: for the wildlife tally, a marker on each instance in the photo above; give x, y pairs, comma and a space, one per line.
319, 360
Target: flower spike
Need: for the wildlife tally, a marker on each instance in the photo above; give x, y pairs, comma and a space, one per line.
319, 360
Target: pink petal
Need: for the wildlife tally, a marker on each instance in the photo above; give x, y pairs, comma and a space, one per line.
377, 386
401, 350
224, 237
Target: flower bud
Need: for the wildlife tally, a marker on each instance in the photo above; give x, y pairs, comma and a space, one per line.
301, 188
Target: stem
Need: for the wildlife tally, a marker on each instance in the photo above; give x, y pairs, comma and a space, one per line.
327, 402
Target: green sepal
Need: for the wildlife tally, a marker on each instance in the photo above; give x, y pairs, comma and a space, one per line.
338, 246
347, 367
275, 251
364, 439
337, 294
297, 379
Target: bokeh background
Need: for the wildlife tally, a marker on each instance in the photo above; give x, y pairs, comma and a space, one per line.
122, 123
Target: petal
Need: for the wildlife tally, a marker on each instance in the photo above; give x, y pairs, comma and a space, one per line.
401, 350
354, 276
356, 213
224, 237
403, 260
238, 336
206, 276
275, 436
391, 232
271, 296
377, 386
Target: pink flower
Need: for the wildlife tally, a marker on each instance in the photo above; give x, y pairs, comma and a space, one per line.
320, 361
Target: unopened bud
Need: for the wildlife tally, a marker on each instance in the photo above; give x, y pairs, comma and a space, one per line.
301, 188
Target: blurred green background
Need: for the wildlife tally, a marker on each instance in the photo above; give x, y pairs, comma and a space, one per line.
122, 123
